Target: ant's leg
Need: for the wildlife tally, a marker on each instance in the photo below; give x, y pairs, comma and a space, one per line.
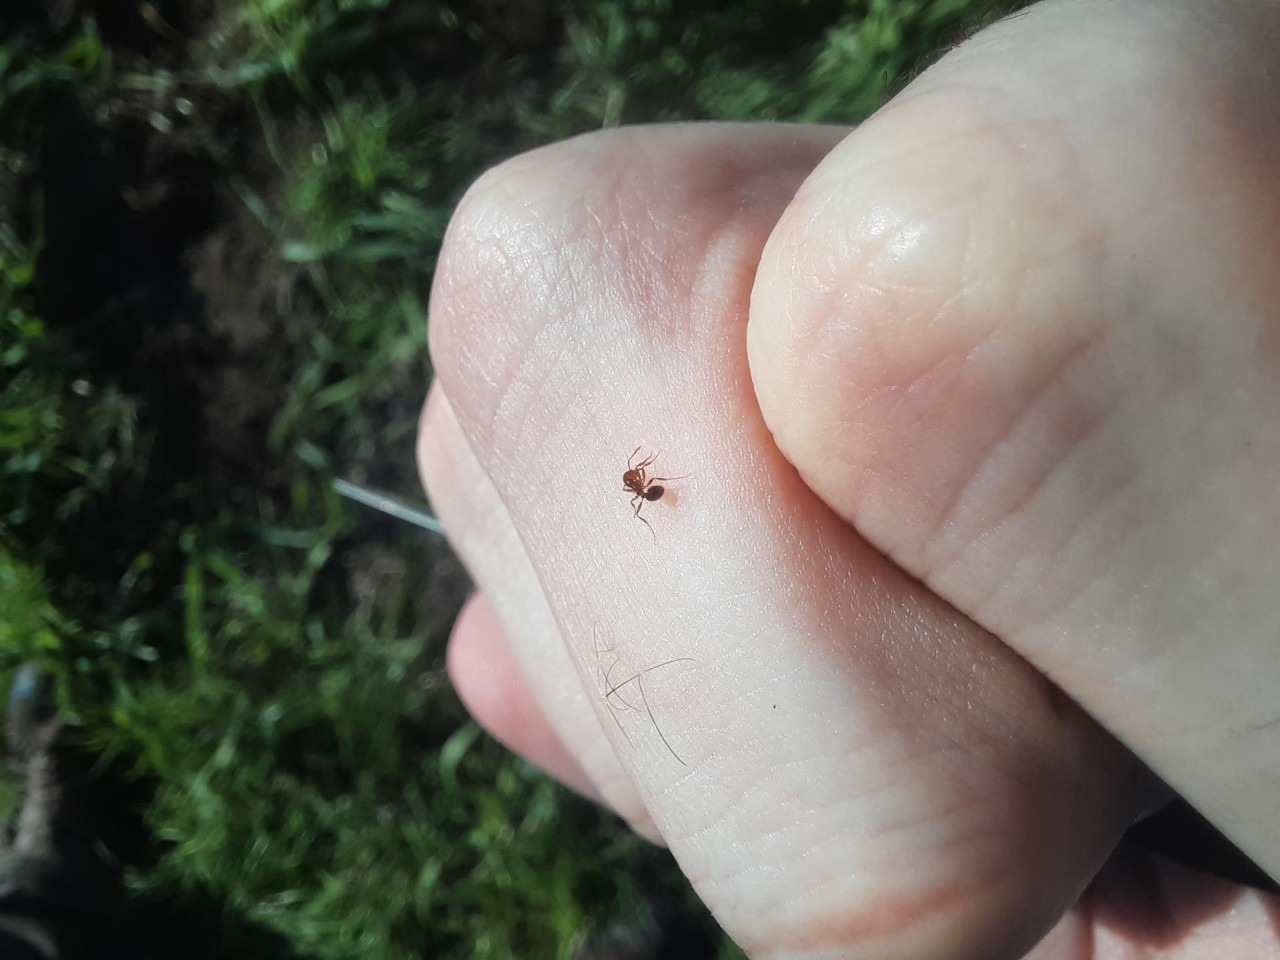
669, 479
640, 501
646, 522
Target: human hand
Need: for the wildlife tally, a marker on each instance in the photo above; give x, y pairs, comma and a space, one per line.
1018, 331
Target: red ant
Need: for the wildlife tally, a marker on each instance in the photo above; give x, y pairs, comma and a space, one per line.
642, 487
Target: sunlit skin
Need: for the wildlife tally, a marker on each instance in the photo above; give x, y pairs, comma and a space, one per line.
982, 400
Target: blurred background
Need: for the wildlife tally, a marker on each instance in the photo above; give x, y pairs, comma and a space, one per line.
233, 736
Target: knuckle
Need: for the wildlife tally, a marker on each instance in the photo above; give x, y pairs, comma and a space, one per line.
519, 256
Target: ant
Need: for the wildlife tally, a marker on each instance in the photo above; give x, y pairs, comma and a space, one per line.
642, 487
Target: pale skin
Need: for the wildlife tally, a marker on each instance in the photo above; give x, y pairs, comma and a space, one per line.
980, 407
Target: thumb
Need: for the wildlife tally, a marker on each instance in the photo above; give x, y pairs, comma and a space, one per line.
1020, 330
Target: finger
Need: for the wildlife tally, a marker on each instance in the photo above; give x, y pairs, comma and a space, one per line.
1021, 330
1143, 906
481, 531
842, 765
493, 689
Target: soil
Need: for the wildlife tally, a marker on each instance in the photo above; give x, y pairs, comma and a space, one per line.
157, 272
134, 273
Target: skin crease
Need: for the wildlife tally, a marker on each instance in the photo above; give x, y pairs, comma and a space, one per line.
867, 773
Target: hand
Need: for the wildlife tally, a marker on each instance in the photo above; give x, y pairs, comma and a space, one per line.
990, 467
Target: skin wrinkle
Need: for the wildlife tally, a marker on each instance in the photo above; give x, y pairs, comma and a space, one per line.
1021, 769
725, 880
792, 909
993, 594
734, 800
819, 184
1029, 409
797, 908
1104, 578
521, 350
987, 339
1097, 516
563, 276
805, 339
615, 242
679, 274
1104, 684
877, 919
845, 424
882, 830
769, 837
997, 437
511, 416
1001, 437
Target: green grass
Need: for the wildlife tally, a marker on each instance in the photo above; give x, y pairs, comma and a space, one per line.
267, 659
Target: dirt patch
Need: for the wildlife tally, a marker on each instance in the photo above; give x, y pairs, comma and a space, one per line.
152, 267
246, 294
